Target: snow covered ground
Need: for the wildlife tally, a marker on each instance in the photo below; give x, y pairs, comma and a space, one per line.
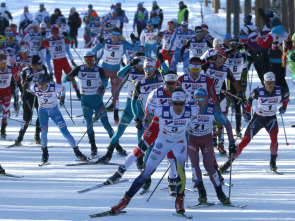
50, 192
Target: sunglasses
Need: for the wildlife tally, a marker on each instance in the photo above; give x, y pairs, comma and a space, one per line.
244, 41
269, 82
219, 46
10, 37
199, 33
170, 82
116, 37
140, 64
88, 58
199, 99
178, 103
3, 64
195, 69
149, 69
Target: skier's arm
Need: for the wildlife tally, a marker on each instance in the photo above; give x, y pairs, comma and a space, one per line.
164, 67
161, 15
97, 47
103, 78
231, 77
185, 46
172, 40
123, 71
74, 73
211, 90
218, 115
253, 96
141, 38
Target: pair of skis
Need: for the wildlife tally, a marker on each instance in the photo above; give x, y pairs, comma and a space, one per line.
205, 204
10, 175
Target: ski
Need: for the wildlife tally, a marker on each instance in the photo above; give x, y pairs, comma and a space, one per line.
275, 172
91, 163
6, 138
231, 205
101, 185
182, 215
10, 175
202, 204
107, 213
187, 189
13, 145
44, 164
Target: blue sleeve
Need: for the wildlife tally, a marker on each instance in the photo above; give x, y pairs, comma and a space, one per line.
172, 40
97, 47
127, 46
146, 15
104, 21
137, 109
164, 67
104, 82
123, 71
223, 120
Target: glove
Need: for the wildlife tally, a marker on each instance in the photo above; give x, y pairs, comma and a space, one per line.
101, 40
247, 117
29, 78
160, 58
135, 61
138, 123
40, 48
282, 110
43, 33
212, 58
64, 79
169, 53
65, 34
232, 149
100, 89
132, 37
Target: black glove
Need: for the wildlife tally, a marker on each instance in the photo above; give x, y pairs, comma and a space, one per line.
65, 34
180, 59
101, 40
169, 53
212, 58
160, 58
232, 149
282, 110
29, 78
132, 37
43, 33
247, 117
100, 89
138, 123
135, 61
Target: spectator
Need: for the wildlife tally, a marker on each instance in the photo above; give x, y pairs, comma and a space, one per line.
156, 16
57, 13
25, 19
122, 15
140, 18
4, 18
182, 14
74, 22
42, 13
89, 15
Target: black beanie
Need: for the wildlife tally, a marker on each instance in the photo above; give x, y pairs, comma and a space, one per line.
36, 60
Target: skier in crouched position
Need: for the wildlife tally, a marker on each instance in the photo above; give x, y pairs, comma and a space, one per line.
47, 98
173, 120
268, 98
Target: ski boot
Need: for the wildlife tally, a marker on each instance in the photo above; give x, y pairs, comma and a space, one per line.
226, 165
37, 137
93, 145
221, 149
3, 130
2, 171
45, 155
122, 204
120, 150
272, 163
116, 176
73, 63
20, 137
108, 156
221, 196
179, 204
219, 174
116, 116
140, 163
78, 94
110, 107
202, 192
79, 155
147, 184
172, 186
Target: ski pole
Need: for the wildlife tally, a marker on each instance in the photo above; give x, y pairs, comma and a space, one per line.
17, 120
284, 130
96, 116
159, 183
78, 55
230, 172
69, 114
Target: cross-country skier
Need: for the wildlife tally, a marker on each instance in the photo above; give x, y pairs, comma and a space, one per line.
148, 39
47, 98
268, 98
